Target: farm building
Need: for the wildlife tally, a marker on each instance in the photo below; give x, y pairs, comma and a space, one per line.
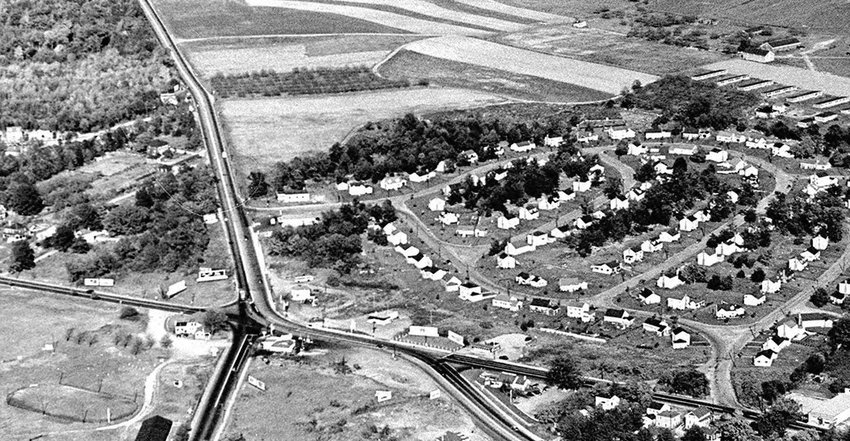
780, 45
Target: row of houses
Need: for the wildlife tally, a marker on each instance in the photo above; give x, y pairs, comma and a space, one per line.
792, 329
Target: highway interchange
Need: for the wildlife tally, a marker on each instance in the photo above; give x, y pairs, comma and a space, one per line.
255, 311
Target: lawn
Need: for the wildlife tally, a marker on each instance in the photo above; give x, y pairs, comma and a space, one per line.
323, 402
415, 67
265, 131
203, 19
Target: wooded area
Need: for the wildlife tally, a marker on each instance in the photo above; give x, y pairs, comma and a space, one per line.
78, 65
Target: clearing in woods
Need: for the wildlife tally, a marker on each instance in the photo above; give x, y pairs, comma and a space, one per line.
384, 18
599, 77
264, 131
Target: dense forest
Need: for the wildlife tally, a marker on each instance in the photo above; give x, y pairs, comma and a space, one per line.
692, 103
78, 65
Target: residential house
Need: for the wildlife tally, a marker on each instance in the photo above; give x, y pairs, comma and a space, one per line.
469, 290
632, 255
700, 416
817, 165
548, 203
359, 189
521, 383
620, 134
668, 420
453, 284
837, 298
470, 156
607, 403
688, 223
560, 232
418, 177
437, 204
553, 141
448, 218
814, 320
420, 261
444, 167
544, 306
667, 282
618, 317
636, 194
608, 268
507, 222
583, 222
432, 273
657, 134
729, 137
795, 264
844, 287
820, 243
681, 339
790, 329
396, 237
781, 150
717, 155
508, 302
685, 150
636, 149
529, 213
580, 311
764, 358
691, 134
682, 304
505, 261
523, 146
662, 168
754, 299
811, 254
390, 183
655, 408
619, 203
518, 247
669, 236
571, 284
649, 297
566, 195
706, 259
776, 344
406, 250
770, 286
728, 311
651, 246
656, 325
727, 248
581, 186
587, 137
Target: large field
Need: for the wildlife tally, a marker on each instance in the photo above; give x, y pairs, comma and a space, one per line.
606, 79
600, 46
240, 55
822, 15
191, 19
308, 399
791, 76
415, 66
264, 131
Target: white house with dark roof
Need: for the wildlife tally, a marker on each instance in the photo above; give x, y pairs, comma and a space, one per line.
730, 137
729, 310
607, 268
607, 403
580, 186
776, 344
505, 261
648, 297
529, 213
651, 246
795, 264
669, 236
837, 298
636, 195
548, 203
437, 204
544, 306
453, 284
680, 338
618, 317
668, 282
688, 223
717, 155
470, 156
407, 250
420, 261
507, 222
657, 326
469, 289
539, 238
754, 299
636, 149
390, 183
523, 146
684, 150
560, 232
566, 195
518, 247
820, 243
553, 141
701, 416
706, 259
581, 311
764, 358
505, 301
811, 254
814, 320
632, 255
583, 222
619, 203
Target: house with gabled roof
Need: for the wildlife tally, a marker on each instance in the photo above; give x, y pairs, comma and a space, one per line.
656, 325
764, 358
607, 268
669, 282
669, 236
571, 284
648, 297
580, 310
618, 317
632, 255
505, 261
544, 306
681, 338
508, 302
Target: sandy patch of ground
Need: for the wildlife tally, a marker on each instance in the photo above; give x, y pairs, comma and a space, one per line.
787, 75
536, 403
497, 56
512, 345
264, 131
372, 15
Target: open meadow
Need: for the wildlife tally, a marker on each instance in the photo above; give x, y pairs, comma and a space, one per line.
264, 131
822, 15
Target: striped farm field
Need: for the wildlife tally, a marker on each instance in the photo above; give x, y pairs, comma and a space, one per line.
495, 6
427, 8
599, 77
379, 17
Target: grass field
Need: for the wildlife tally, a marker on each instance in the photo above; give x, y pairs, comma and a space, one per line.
603, 78
600, 46
323, 403
93, 362
384, 16
264, 131
835, 66
415, 66
502, 7
823, 15
203, 19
